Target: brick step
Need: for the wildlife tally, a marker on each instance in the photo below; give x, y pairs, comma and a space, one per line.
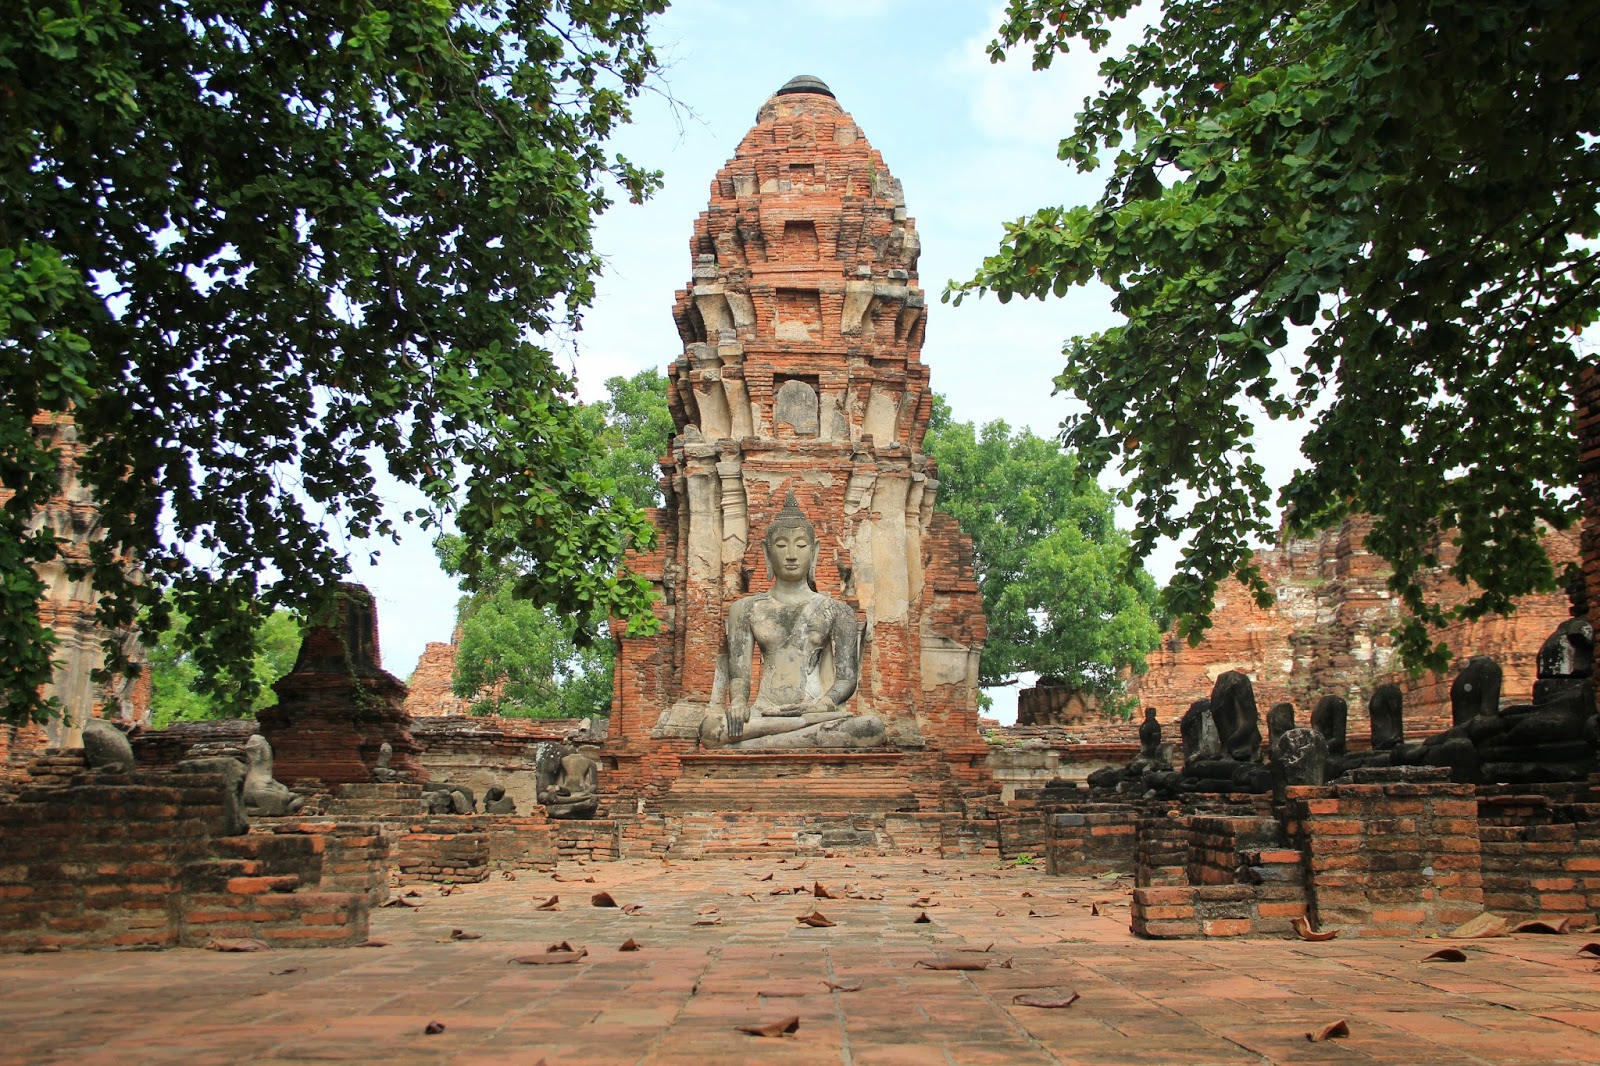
284, 920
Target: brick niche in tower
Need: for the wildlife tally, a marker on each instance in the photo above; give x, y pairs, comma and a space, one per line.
802, 329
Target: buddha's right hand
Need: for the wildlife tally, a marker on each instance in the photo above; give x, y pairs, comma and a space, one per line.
737, 715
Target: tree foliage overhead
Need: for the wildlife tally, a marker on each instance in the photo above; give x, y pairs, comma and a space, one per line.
523, 659
253, 247
175, 692
1049, 558
1414, 184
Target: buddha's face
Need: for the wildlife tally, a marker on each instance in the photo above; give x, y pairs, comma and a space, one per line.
790, 552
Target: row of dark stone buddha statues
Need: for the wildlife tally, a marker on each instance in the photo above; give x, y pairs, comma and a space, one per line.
1553, 738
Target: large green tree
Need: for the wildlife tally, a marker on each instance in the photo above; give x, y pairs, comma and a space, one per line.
175, 692
256, 249
1415, 186
1049, 557
524, 659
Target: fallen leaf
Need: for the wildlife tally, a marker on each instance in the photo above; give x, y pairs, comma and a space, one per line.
843, 986
786, 992
816, 919
508, 875
921, 919
565, 945
1094, 910
551, 904
802, 866
399, 901
630, 944
1589, 949
602, 899
777, 1028
551, 958
1535, 927
822, 891
413, 894
236, 943
1483, 926
766, 878
1043, 914
1303, 930
373, 944
1005, 964
633, 908
1028, 999
291, 969
945, 962
448, 890
933, 872
582, 880
1026, 894
1329, 1031
708, 921
1446, 955
462, 934
709, 908
433, 1028
981, 950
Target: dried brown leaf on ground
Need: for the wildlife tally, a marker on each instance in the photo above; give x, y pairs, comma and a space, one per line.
1339, 1028
800, 867
433, 1028
777, 1028
1094, 909
709, 908
1303, 929
1483, 926
236, 943
934, 872
508, 875
565, 945
286, 970
400, 901
551, 904
581, 880
711, 920
842, 986
822, 891
921, 918
1026, 894
602, 899
555, 955
630, 944
373, 944
462, 934
816, 919
1043, 914
1446, 955
946, 962
633, 908
1589, 949
766, 878
1537, 926
1028, 999
987, 947
449, 890
413, 894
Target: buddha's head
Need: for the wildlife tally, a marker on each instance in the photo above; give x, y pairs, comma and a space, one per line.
791, 543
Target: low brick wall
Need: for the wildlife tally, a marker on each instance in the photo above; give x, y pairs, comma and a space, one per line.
594, 840
1392, 859
356, 855
1092, 839
445, 848
1540, 851
521, 842
143, 860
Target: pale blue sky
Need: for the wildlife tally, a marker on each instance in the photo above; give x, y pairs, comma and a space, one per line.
973, 143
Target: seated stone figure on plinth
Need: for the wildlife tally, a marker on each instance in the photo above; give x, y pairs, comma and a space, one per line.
265, 797
573, 789
798, 630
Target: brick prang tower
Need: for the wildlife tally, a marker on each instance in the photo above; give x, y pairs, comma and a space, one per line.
801, 371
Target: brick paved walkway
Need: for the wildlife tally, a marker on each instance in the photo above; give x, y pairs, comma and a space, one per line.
678, 999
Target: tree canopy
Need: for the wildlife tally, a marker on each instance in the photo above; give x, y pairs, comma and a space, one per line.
1378, 217
175, 694
1049, 558
257, 249
523, 659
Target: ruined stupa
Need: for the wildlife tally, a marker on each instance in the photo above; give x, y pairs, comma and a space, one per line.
802, 327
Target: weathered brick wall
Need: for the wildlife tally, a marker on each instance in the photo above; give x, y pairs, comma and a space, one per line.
445, 848
1541, 851
1329, 633
1092, 839
591, 840
141, 860
1393, 859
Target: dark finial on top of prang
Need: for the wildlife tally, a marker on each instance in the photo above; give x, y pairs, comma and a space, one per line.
805, 83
